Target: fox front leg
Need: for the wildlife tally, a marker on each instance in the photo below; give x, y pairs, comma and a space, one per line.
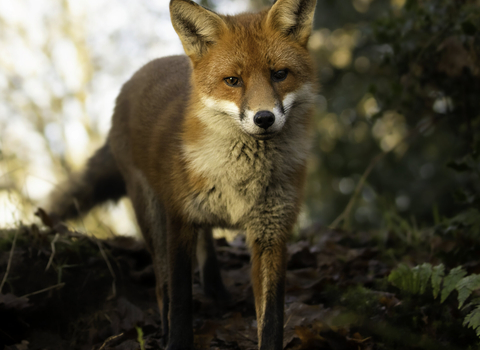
268, 279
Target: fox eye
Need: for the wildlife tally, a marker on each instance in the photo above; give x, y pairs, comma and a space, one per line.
279, 75
232, 81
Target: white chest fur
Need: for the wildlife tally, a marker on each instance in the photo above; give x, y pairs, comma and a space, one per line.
238, 172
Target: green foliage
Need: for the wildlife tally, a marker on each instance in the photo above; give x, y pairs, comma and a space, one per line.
451, 280
466, 286
361, 301
433, 50
437, 275
140, 337
415, 281
469, 218
411, 280
472, 320
422, 77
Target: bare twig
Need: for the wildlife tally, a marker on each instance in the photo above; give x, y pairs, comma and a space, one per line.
420, 128
10, 258
53, 251
60, 285
104, 255
113, 337
359, 187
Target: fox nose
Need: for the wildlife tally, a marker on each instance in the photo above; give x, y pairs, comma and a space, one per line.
264, 119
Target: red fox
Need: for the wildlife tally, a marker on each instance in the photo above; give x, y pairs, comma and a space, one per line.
216, 139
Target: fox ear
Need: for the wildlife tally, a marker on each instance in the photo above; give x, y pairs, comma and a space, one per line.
293, 18
196, 26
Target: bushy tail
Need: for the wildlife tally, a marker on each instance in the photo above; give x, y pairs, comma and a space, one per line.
100, 181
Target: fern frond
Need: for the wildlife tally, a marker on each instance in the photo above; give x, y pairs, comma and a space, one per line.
451, 280
422, 275
466, 286
402, 278
413, 280
472, 320
437, 276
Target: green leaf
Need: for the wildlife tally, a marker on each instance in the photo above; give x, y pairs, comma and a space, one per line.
466, 286
422, 275
472, 320
140, 337
450, 282
411, 280
437, 276
402, 278
468, 217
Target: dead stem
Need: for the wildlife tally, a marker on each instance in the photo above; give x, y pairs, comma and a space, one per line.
113, 337
10, 258
420, 128
60, 285
345, 214
52, 244
104, 255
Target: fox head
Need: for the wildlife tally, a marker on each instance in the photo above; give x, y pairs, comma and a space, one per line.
249, 70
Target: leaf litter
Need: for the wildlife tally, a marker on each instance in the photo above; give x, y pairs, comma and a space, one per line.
100, 294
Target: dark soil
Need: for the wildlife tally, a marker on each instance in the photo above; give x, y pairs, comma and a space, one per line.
65, 290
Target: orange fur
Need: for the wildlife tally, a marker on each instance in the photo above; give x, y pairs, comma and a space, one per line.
216, 139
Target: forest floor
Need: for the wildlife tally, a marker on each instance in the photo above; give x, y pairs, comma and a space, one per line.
66, 290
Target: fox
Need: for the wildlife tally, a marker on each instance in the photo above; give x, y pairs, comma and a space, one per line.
218, 137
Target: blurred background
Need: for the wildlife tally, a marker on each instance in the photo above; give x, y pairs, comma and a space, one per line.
397, 116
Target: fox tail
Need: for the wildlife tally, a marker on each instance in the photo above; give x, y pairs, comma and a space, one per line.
99, 182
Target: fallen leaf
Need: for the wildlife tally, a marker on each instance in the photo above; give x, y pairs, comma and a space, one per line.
309, 338
203, 337
11, 301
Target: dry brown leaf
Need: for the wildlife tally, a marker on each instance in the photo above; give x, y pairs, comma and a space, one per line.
203, 337
240, 330
309, 338
357, 338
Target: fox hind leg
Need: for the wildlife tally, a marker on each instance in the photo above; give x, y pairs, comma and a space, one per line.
180, 249
209, 268
153, 224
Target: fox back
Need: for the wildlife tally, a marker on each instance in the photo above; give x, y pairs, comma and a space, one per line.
217, 138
